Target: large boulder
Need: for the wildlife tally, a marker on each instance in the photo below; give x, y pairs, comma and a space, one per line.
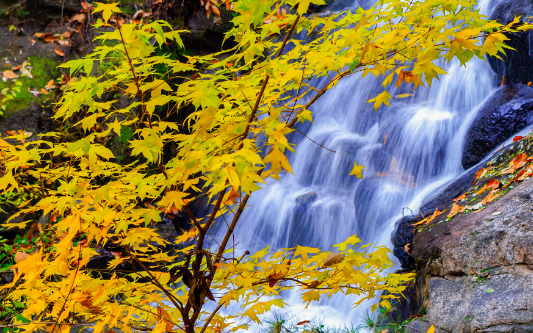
505, 113
402, 236
516, 64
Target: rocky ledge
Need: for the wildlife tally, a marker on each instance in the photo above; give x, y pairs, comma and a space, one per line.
473, 250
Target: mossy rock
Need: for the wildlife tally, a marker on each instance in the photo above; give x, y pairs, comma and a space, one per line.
43, 70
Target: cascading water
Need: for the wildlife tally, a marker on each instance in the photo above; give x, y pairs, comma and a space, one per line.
409, 149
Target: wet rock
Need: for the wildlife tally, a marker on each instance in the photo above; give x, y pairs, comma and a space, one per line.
66, 5
6, 277
206, 35
305, 199
505, 113
516, 64
452, 190
402, 237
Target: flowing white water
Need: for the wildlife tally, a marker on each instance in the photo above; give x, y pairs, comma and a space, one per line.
424, 136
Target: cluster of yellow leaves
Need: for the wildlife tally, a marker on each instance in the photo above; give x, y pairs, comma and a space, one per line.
236, 137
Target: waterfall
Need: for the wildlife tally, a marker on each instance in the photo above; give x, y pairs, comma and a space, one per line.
410, 149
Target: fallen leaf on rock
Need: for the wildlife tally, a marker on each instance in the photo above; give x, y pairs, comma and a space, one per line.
491, 196
140, 13
50, 84
66, 34
9, 75
215, 10
16, 68
496, 213
429, 219
80, 18
20, 256
26, 72
456, 209
63, 42
406, 248
482, 190
518, 137
480, 173
59, 52
49, 38
519, 161
459, 198
493, 183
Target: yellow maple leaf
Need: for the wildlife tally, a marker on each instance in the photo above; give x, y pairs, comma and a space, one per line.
107, 10
357, 170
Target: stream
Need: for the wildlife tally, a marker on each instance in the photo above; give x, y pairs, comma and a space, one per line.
410, 150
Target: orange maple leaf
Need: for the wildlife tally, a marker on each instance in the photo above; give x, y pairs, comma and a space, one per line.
459, 198
232, 195
456, 209
429, 219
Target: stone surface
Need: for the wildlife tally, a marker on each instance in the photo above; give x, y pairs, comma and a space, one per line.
506, 112
306, 199
516, 64
419, 326
480, 266
404, 230
473, 242
502, 303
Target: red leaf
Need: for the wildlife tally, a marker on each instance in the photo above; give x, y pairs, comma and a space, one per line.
303, 322
59, 52
518, 137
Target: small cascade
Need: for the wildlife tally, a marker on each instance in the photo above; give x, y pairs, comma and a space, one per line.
410, 149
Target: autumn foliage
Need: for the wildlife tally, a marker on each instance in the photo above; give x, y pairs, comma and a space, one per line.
232, 142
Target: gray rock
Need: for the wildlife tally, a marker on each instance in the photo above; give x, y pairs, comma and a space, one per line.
480, 267
505, 113
503, 303
419, 326
305, 199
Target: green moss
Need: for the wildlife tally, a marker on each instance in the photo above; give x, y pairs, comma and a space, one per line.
43, 70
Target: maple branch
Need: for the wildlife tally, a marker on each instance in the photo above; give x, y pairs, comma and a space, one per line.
265, 82
135, 79
70, 289
194, 220
153, 279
